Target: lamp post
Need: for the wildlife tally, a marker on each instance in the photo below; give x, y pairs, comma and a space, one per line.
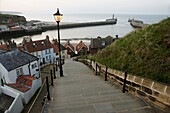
58, 17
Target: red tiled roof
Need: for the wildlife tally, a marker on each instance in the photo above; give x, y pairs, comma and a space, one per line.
80, 46
4, 47
55, 48
19, 87
38, 45
24, 82
68, 45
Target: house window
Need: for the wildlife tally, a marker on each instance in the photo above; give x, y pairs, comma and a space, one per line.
103, 43
19, 72
34, 65
46, 57
37, 54
48, 50
43, 43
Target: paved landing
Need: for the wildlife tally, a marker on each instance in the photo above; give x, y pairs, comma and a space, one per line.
80, 91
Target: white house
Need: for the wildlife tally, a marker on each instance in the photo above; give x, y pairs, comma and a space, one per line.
4, 28
15, 63
42, 49
19, 72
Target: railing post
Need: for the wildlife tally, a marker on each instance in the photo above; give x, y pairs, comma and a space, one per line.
106, 74
54, 72
96, 68
48, 90
56, 67
99, 70
51, 73
124, 83
90, 62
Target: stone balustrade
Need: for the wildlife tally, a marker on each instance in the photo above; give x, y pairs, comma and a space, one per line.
157, 93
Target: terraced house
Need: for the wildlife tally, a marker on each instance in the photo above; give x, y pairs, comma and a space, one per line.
20, 73
41, 49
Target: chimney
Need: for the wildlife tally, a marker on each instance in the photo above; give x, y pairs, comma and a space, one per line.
47, 37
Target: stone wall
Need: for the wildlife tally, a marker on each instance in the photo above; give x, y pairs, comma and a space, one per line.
157, 93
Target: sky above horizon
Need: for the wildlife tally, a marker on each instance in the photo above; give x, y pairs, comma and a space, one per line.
48, 7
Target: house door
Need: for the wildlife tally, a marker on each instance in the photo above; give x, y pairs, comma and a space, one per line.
2, 83
43, 60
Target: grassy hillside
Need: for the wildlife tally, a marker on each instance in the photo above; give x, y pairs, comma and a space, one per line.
144, 52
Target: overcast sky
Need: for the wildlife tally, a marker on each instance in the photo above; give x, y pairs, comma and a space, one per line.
48, 7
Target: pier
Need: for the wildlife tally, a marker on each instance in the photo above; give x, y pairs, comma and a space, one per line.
19, 33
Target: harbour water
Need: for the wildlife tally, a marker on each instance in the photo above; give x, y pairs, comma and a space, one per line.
121, 28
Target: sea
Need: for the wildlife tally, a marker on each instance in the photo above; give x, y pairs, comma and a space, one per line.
121, 29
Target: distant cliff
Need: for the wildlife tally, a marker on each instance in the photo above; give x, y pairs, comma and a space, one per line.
8, 18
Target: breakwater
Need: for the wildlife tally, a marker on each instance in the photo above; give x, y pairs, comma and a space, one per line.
18, 33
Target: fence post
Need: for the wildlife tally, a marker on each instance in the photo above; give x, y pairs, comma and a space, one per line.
96, 68
56, 67
51, 73
106, 74
99, 70
124, 83
54, 72
90, 62
48, 90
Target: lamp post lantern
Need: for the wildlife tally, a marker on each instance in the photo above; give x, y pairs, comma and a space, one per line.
58, 17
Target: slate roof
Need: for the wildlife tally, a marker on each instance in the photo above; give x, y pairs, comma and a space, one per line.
101, 42
16, 58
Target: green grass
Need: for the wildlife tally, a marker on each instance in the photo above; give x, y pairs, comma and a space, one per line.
144, 52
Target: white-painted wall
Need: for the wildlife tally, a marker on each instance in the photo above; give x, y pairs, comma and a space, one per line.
35, 71
0, 90
0, 82
42, 54
11, 76
4, 28
26, 96
17, 105
4, 73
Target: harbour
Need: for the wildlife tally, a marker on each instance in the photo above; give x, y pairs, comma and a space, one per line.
39, 30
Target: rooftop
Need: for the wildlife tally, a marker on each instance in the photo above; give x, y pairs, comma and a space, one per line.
5, 102
16, 58
23, 84
101, 42
38, 45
